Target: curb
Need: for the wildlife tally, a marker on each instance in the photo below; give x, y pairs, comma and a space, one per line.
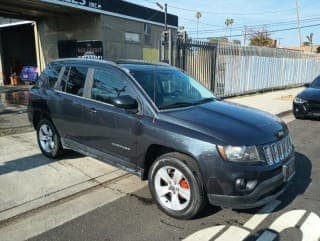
284, 113
92, 184
16, 130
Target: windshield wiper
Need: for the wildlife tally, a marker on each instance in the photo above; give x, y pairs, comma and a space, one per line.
176, 104
186, 104
205, 100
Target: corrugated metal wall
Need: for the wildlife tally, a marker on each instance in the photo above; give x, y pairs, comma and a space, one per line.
241, 70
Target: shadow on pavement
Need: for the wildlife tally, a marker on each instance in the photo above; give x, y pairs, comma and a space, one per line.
301, 180
30, 162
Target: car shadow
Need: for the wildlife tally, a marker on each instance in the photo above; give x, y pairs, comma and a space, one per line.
300, 182
34, 161
297, 187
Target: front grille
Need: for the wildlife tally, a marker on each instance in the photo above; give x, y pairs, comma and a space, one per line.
314, 106
278, 151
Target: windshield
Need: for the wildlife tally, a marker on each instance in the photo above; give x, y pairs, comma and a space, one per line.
172, 88
316, 83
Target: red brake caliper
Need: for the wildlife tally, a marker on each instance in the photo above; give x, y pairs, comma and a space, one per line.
184, 183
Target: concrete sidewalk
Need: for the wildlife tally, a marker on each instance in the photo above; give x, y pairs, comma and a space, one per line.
29, 180
275, 102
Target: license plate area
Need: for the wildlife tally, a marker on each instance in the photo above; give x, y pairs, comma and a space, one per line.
288, 170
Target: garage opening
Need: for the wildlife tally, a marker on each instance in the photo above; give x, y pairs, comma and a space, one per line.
18, 49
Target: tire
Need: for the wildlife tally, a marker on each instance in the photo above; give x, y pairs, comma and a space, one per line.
298, 116
49, 139
176, 185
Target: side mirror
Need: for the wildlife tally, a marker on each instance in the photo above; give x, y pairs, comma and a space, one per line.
125, 102
307, 85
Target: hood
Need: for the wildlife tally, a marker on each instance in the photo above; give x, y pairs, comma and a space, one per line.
227, 123
310, 94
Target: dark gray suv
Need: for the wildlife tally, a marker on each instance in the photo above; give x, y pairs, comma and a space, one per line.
157, 122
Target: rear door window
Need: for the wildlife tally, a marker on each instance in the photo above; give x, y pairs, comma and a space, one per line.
73, 80
76, 80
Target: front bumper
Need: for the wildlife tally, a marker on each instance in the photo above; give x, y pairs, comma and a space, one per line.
266, 191
305, 110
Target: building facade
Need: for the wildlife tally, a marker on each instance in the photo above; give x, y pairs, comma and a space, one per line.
109, 29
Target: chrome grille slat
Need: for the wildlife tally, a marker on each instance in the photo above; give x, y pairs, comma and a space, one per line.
280, 148
278, 151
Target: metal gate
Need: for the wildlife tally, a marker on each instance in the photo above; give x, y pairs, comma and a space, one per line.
198, 59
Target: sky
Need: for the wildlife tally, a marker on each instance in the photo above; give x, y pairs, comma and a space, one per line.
279, 17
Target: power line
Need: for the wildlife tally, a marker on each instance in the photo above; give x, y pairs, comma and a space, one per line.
272, 24
230, 13
239, 29
202, 23
272, 31
234, 14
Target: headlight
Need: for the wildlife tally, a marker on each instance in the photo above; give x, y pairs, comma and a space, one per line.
298, 100
239, 153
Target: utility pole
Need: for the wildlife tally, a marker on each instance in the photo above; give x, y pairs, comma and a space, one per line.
165, 43
165, 17
165, 13
298, 24
245, 35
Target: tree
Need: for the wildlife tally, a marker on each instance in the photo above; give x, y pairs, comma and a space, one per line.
198, 16
310, 40
229, 22
318, 50
261, 38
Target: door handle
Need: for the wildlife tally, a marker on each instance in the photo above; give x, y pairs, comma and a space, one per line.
93, 110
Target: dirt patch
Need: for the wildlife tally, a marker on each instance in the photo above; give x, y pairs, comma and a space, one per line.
286, 97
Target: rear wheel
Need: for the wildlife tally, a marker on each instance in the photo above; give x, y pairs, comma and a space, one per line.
48, 139
176, 186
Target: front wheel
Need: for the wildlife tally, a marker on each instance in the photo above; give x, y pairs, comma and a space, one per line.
176, 185
48, 139
298, 116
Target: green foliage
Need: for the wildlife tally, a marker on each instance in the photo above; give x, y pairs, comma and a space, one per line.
262, 39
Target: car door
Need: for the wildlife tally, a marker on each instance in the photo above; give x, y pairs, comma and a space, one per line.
68, 104
109, 129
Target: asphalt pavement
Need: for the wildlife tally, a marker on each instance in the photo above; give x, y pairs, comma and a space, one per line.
136, 217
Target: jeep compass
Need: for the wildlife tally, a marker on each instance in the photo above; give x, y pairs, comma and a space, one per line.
157, 122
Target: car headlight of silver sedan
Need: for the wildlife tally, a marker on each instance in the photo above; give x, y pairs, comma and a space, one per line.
239, 153
298, 100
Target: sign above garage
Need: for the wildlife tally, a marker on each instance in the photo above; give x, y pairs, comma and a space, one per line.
121, 9
96, 4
